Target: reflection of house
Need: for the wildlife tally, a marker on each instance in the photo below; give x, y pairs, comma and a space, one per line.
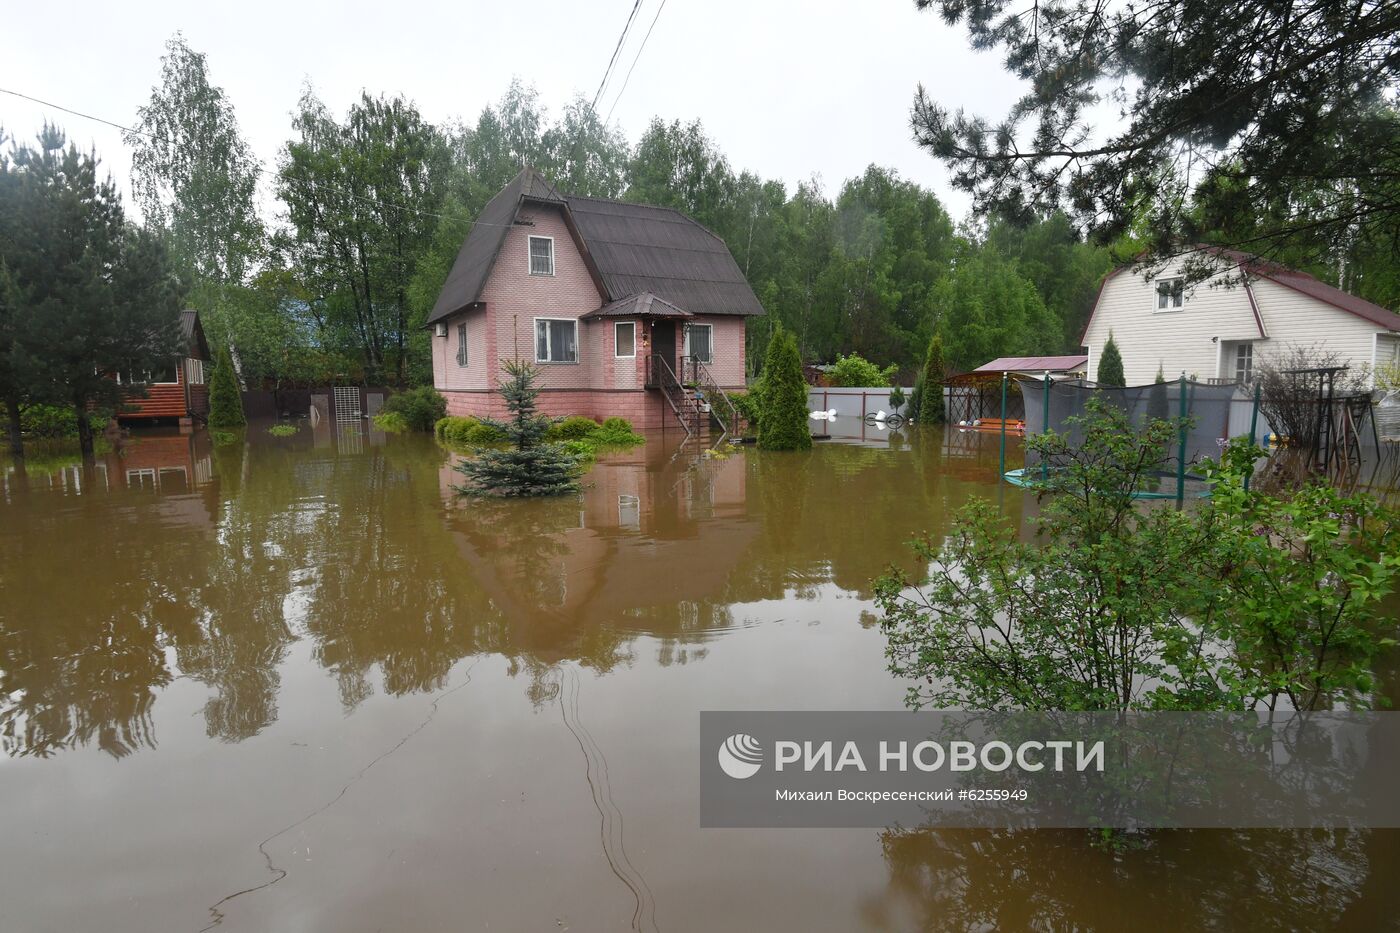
649, 536
179, 391
609, 299
177, 467
1218, 330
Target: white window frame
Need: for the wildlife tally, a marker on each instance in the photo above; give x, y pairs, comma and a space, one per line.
194, 371
535, 339
1245, 348
1157, 295
530, 254
686, 341
463, 357
617, 326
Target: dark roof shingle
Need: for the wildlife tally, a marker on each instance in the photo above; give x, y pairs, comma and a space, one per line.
632, 248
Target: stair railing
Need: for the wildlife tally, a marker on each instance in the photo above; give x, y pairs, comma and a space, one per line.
664, 378
701, 376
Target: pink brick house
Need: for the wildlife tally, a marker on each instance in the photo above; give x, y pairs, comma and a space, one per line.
627, 309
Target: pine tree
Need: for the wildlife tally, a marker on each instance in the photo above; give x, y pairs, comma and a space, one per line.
530, 466
931, 406
1111, 365
784, 413
225, 403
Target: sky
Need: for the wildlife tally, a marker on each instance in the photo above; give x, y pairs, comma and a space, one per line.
786, 88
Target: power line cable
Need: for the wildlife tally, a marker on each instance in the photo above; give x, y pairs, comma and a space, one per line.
618, 48
258, 169
634, 62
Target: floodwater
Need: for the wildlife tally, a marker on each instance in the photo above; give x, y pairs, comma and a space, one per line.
293, 684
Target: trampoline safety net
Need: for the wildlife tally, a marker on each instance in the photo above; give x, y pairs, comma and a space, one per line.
1213, 409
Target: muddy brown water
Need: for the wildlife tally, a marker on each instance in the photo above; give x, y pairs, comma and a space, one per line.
293, 684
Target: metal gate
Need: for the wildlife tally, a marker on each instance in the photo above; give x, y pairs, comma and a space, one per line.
347, 403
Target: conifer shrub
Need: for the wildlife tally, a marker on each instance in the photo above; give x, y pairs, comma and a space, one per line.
225, 402
783, 425
531, 466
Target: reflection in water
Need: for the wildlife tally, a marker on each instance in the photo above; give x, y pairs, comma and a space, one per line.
270, 593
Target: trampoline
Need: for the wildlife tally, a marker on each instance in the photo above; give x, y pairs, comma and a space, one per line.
1210, 408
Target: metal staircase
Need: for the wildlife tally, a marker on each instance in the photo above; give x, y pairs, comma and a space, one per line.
707, 394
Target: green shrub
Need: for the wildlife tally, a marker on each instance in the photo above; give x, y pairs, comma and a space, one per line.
391, 422
479, 434
223, 438
856, 370
614, 432
225, 402
784, 421
420, 408
746, 404
466, 431
282, 430
50, 421
931, 405
582, 451
1111, 365
572, 428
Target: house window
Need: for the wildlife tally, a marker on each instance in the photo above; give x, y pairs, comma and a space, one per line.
541, 255
167, 376
698, 342
461, 345
194, 372
625, 338
1244, 362
1171, 294
556, 341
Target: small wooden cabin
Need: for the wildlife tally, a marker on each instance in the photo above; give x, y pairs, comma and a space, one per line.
181, 391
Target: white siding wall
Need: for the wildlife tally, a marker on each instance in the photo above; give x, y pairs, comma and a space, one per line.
1180, 341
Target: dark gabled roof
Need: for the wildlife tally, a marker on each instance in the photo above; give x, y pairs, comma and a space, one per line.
640, 248
478, 253
192, 332
631, 249
643, 305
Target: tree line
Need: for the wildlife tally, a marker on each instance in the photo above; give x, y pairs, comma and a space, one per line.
374, 204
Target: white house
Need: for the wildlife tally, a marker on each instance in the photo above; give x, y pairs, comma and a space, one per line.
1219, 329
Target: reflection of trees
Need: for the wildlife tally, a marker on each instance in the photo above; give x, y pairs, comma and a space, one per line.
387, 590
1055, 879
81, 626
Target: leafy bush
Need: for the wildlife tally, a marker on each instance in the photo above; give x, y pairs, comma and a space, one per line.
746, 404
223, 438
466, 431
50, 421
392, 422
421, 408
856, 370
282, 430
1248, 601
572, 428
614, 432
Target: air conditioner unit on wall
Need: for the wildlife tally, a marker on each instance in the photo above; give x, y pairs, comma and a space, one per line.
441, 329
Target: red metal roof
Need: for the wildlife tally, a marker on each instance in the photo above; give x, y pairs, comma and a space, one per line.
1039, 364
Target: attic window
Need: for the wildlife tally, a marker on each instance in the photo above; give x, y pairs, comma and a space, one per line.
541, 255
1171, 294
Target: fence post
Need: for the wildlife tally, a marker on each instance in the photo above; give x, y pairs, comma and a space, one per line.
1253, 427
1181, 443
1001, 469
1045, 426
